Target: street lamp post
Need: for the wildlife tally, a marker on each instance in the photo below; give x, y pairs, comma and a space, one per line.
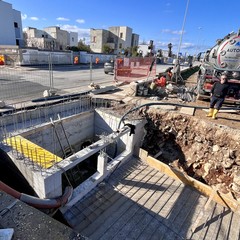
181, 36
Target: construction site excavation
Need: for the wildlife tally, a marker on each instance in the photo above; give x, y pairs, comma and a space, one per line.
143, 158
67, 150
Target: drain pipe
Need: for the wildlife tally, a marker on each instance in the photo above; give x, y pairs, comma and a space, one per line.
161, 103
38, 202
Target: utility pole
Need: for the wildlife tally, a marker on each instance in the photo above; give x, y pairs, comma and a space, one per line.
181, 36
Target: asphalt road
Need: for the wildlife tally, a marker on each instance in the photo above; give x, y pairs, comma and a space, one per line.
19, 84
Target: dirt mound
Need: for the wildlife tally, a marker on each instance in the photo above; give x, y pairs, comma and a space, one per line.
207, 152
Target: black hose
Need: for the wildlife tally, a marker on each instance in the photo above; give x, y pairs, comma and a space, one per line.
157, 103
161, 103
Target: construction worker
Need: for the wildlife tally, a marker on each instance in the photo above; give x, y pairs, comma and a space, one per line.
169, 74
158, 85
218, 94
161, 81
176, 77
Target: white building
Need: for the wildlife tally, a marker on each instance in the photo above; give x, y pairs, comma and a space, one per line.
61, 36
10, 25
117, 38
52, 38
73, 39
144, 49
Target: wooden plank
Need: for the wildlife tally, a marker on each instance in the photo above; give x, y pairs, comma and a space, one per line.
224, 200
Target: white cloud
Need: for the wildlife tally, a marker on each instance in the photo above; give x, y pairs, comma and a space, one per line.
24, 16
187, 45
80, 21
62, 19
83, 33
175, 32
34, 18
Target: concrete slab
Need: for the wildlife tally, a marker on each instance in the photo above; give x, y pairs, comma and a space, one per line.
102, 90
29, 223
187, 110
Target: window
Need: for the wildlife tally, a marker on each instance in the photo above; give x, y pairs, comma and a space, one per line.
94, 39
120, 45
72, 39
121, 35
17, 42
15, 24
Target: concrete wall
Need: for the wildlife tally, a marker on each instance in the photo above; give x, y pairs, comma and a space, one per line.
77, 129
35, 57
96, 43
86, 58
73, 39
106, 123
47, 183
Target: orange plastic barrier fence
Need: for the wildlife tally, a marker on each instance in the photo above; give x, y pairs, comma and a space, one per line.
134, 69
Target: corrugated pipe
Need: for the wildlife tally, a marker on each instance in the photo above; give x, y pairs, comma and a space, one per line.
38, 202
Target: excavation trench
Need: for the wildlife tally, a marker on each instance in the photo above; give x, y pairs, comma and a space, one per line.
205, 151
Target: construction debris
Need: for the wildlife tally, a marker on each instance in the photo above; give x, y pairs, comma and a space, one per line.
187, 94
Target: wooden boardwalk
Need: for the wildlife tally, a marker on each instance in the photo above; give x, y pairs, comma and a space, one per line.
139, 202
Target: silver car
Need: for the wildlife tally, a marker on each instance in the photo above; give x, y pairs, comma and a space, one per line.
109, 67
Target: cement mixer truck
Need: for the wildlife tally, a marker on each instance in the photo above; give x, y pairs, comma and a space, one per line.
224, 57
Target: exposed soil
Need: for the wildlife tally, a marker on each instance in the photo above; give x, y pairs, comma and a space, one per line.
207, 152
204, 148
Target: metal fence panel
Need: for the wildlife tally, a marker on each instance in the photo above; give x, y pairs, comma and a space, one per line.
26, 77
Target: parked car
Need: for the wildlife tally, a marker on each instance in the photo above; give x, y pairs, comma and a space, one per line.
109, 67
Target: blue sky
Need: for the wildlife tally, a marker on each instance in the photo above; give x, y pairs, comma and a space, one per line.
157, 20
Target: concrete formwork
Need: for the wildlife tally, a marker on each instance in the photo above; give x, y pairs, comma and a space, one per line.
111, 144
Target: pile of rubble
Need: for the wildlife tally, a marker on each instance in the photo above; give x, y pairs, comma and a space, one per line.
209, 153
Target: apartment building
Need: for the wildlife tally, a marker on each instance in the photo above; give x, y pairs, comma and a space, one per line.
52, 38
10, 25
39, 39
117, 38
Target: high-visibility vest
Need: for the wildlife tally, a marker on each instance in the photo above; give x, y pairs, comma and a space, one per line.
161, 82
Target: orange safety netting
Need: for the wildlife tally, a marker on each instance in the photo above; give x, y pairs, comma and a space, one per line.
134, 68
